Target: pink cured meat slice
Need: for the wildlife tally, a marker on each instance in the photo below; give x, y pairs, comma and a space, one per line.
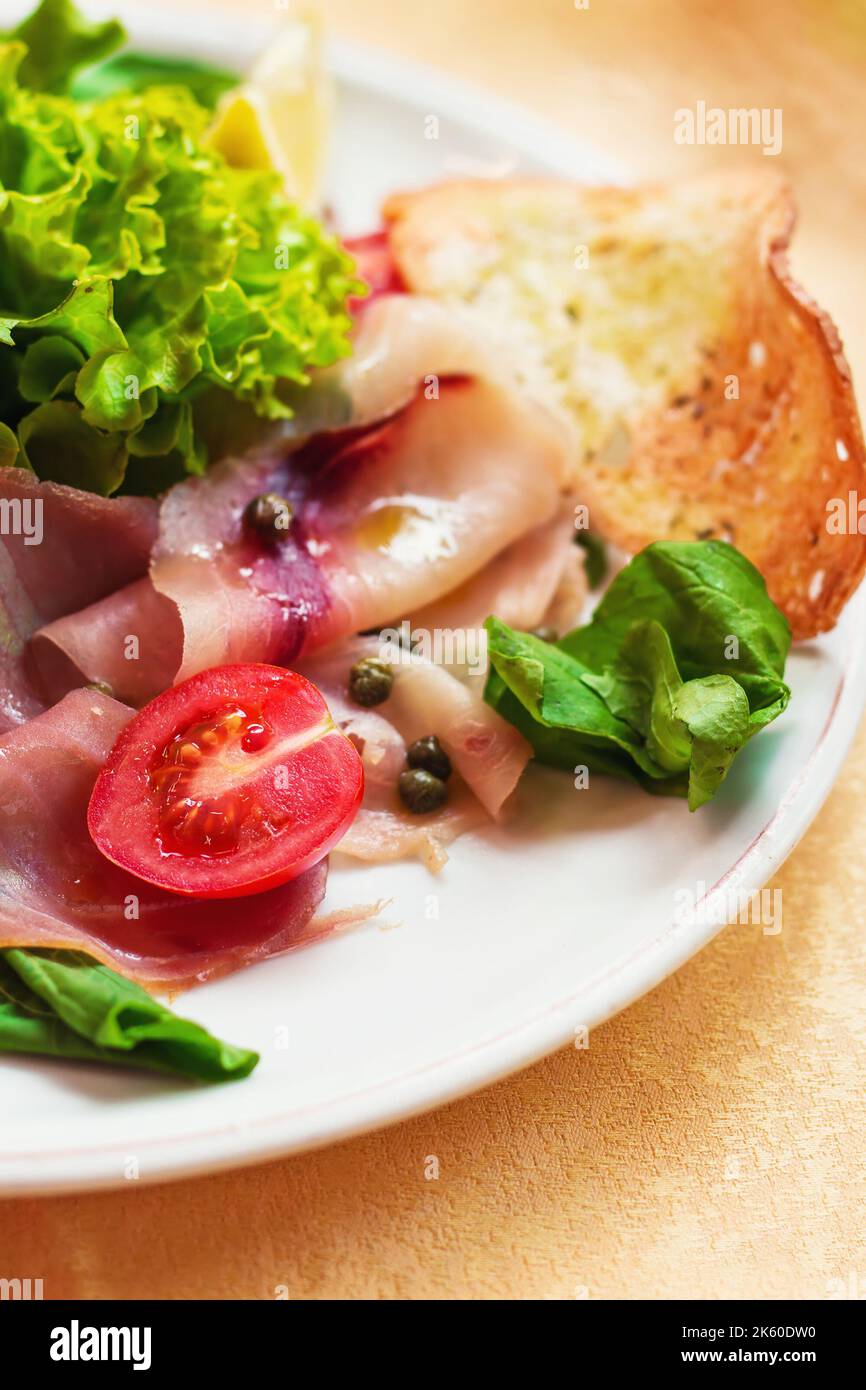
488, 753
518, 585
56, 889
60, 550
387, 521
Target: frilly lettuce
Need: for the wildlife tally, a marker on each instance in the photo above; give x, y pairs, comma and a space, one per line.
139, 273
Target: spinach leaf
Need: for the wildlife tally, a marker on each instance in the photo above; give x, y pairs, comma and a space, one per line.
64, 1004
695, 727
715, 608
681, 664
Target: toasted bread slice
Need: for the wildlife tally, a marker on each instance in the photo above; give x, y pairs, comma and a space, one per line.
709, 395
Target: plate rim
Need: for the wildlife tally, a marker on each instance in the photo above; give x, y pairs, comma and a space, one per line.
612, 988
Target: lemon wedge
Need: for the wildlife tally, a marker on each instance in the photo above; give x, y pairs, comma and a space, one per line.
280, 117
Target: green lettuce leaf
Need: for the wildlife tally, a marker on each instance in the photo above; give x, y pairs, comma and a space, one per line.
64, 1004
59, 41
680, 666
85, 317
8, 447
49, 367
158, 272
135, 72
58, 445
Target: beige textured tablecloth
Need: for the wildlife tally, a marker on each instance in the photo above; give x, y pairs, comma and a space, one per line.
710, 1142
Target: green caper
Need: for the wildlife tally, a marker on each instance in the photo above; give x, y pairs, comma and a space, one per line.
370, 681
544, 634
428, 753
421, 792
269, 517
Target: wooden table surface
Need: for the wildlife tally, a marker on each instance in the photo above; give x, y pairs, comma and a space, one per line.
710, 1141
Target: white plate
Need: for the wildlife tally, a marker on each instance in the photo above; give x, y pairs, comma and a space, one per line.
531, 932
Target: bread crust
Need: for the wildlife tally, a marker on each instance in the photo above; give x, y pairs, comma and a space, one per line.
751, 432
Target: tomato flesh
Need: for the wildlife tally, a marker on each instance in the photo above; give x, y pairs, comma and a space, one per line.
228, 784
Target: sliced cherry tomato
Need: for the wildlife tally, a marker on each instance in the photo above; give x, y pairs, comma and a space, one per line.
230, 783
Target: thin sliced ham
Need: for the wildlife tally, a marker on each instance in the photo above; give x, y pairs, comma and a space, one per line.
383, 834
386, 521
401, 341
518, 585
407, 513
488, 754
567, 607
56, 889
60, 549
104, 642
384, 830
90, 545
19, 617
